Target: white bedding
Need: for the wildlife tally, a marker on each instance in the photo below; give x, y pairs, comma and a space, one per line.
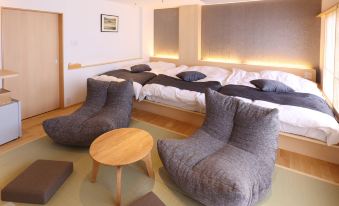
189, 100
304, 122
295, 120
241, 77
212, 73
136, 86
157, 68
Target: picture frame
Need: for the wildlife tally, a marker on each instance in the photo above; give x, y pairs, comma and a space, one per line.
109, 23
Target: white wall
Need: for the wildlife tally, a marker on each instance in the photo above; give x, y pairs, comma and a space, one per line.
326, 4
85, 44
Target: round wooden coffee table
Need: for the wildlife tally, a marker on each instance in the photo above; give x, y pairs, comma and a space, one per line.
121, 147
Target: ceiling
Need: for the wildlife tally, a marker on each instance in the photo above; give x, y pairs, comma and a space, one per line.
175, 3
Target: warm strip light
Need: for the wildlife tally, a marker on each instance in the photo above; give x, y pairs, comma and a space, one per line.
258, 63
167, 56
278, 64
222, 60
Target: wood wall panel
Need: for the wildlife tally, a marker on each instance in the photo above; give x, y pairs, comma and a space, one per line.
285, 31
30, 47
166, 31
189, 35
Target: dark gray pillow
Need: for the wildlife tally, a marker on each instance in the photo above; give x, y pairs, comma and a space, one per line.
140, 68
267, 85
191, 76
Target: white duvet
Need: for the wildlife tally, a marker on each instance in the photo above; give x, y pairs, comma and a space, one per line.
212, 73
157, 68
298, 84
189, 100
136, 86
295, 120
304, 122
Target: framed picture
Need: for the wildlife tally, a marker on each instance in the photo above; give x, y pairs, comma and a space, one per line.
109, 23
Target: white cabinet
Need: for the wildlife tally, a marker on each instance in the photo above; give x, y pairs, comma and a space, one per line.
10, 122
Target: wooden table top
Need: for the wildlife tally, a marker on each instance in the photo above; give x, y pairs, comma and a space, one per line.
121, 146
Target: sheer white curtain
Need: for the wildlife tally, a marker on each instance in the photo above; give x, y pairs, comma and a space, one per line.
331, 73
336, 66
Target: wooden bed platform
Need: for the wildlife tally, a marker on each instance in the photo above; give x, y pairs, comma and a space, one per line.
290, 142
294, 143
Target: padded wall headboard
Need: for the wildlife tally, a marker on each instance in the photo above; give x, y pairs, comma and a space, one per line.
310, 74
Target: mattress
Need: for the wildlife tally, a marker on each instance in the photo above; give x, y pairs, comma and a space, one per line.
297, 99
294, 119
136, 86
139, 79
299, 113
184, 99
212, 73
183, 95
178, 93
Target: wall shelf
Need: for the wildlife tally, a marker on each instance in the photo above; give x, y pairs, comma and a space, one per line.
5, 95
4, 74
4, 91
73, 66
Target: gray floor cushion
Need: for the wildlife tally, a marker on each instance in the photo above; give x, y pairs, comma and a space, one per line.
38, 183
230, 160
150, 199
108, 106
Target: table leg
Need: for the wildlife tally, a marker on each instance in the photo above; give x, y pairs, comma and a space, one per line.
118, 186
95, 170
149, 166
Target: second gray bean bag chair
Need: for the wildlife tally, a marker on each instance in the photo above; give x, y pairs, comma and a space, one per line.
230, 160
108, 106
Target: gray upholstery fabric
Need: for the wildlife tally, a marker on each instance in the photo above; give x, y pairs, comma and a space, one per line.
140, 68
108, 106
38, 183
230, 160
191, 76
150, 199
268, 85
305, 100
220, 112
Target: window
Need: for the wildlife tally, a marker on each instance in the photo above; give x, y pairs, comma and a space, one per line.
330, 67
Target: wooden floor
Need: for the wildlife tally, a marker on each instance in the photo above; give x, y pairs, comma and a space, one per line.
32, 130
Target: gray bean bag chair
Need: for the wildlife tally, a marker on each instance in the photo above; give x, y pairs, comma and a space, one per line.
108, 106
230, 160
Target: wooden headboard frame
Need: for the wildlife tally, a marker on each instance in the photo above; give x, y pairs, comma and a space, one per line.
310, 74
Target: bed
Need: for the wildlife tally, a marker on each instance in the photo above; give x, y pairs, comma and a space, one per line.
139, 79
304, 112
299, 113
315, 147
168, 89
302, 118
